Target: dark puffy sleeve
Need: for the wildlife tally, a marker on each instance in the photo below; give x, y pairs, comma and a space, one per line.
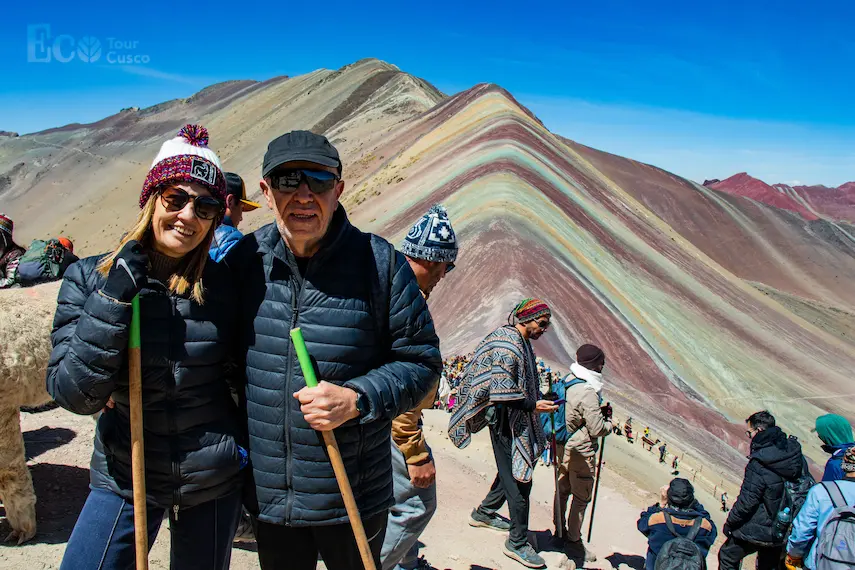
89, 339
414, 362
750, 496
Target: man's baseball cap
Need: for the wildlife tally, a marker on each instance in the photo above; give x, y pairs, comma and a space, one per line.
300, 145
236, 187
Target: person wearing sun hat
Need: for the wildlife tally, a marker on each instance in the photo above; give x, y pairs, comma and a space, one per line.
193, 455
501, 390
10, 253
227, 235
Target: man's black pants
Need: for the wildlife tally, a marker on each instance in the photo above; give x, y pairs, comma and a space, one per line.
734, 550
296, 548
505, 487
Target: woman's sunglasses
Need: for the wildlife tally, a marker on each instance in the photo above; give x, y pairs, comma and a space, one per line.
318, 181
205, 207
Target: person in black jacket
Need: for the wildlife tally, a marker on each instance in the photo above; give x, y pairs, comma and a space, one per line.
774, 458
678, 500
191, 421
376, 358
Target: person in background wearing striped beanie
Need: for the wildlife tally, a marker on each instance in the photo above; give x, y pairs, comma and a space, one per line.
10, 253
501, 390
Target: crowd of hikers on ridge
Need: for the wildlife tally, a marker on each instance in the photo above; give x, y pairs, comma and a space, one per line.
231, 426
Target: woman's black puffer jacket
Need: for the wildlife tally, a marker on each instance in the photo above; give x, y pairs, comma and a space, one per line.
190, 419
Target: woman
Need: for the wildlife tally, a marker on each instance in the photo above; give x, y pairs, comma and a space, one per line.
192, 459
10, 253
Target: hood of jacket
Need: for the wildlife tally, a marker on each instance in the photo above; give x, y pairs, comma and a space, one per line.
779, 453
834, 430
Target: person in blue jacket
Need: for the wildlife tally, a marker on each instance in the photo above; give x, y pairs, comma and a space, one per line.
678, 500
814, 514
227, 234
836, 435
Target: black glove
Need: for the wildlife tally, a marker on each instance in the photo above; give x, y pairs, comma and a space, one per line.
128, 274
726, 530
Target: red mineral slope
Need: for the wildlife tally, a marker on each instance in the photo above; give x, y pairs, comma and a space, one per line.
749, 187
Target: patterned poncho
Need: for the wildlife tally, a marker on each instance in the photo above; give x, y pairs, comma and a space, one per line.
502, 370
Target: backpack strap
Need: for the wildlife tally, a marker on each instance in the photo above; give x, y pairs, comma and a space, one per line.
383, 254
696, 528
670, 524
834, 492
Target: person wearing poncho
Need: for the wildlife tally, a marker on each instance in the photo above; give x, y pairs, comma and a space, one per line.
501, 390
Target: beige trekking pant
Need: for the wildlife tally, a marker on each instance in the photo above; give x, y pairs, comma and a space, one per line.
575, 477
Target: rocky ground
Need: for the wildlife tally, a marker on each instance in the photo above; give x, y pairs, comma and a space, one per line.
59, 444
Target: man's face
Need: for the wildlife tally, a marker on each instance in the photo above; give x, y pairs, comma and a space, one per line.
302, 216
428, 273
235, 209
537, 327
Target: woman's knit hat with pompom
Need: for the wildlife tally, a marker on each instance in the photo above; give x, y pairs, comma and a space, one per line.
186, 158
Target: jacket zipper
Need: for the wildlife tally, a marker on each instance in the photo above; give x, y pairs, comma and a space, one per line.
176, 471
295, 315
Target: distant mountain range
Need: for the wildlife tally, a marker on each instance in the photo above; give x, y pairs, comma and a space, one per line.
811, 202
711, 302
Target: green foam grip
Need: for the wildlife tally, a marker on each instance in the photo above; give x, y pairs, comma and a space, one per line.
303, 357
134, 336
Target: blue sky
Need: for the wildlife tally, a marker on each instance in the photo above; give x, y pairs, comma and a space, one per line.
702, 89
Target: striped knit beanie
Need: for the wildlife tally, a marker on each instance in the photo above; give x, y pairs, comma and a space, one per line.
186, 158
6, 224
848, 463
530, 309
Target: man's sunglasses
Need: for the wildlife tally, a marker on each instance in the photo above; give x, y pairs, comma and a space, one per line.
205, 207
448, 267
543, 324
318, 181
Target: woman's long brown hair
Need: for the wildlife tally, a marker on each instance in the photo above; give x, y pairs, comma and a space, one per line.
190, 271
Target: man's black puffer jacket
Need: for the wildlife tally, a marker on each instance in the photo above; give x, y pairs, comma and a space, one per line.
774, 458
190, 419
294, 481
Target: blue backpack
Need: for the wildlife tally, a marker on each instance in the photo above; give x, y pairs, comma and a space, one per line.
546, 420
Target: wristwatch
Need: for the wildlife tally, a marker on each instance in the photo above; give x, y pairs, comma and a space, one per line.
362, 405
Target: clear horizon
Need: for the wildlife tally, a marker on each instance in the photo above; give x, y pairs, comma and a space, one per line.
704, 92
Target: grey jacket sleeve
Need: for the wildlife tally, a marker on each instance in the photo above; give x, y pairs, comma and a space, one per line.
414, 363
89, 339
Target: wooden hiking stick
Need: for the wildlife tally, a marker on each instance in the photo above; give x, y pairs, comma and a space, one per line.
335, 457
137, 447
596, 488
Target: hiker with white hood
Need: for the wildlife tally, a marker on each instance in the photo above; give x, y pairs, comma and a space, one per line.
586, 423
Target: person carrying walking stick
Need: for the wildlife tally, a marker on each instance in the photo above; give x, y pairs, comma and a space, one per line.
502, 390
193, 458
366, 324
586, 423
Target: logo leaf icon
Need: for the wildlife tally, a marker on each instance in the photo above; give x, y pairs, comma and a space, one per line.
89, 49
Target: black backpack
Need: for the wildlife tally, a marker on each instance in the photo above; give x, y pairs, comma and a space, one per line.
383, 254
795, 493
681, 552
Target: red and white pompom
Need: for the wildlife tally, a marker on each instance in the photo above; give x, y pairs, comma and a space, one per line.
197, 135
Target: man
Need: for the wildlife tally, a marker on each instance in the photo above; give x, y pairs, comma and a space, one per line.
836, 435
774, 458
677, 501
663, 452
312, 269
585, 423
501, 389
227, 234
431, 250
